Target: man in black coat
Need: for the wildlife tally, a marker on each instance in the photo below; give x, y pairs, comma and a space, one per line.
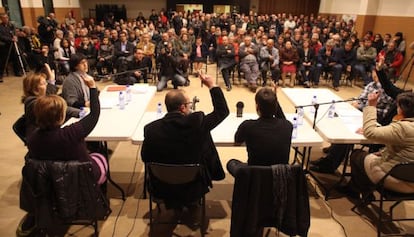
138, 69
7, 39
182, 137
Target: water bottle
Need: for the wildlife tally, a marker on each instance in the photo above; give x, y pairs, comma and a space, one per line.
121, 100
128, 93
82, 112
331, 110
295, 128
313, 102
159, 110
301, 113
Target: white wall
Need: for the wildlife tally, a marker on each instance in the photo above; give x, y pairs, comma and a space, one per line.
66, 3
56, 3
132, 6
403, 8
340, 6
31, 3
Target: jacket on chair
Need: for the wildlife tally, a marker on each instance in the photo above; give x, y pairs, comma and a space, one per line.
265, 196
61, 192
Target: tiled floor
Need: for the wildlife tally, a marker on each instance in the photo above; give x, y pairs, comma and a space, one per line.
130, 218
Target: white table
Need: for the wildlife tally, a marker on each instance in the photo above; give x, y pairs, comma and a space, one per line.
115, 124
341, 129
223, 134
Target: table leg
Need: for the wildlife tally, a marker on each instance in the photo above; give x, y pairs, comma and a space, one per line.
108, 174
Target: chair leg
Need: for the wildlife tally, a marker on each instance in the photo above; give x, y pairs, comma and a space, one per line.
203, 216
95, 228
150, 216
379, 224
392, 208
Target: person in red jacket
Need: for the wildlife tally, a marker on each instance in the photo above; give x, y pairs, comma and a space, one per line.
393, 60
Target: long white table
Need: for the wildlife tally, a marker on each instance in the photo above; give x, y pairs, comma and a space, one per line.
340, 129
117, 124
223, 134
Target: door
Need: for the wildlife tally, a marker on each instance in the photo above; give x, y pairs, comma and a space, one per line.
48, 6
14, 10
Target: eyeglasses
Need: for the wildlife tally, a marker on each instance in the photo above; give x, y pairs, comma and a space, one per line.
188, 103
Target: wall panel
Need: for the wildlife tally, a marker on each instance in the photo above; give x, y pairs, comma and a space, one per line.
295, 7
133, 6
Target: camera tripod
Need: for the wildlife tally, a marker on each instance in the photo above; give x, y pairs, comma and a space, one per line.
409, 71
18, 55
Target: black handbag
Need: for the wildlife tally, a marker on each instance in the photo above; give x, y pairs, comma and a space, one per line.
19, 127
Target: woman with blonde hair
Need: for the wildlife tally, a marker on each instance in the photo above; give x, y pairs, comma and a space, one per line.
52, 142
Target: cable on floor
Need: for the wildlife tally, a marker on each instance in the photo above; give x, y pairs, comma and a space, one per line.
127, 191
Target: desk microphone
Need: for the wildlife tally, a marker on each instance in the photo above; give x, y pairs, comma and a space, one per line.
195, 100
239, 106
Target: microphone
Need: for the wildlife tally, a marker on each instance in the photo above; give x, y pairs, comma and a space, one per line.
195, 100
239, 106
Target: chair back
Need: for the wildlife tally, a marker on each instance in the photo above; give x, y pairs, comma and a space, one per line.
175, 184
270, 196
62, 192
174, 173
19, 127
403, 171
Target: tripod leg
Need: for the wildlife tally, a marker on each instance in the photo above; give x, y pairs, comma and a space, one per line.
20, 58
409, 72
7, 61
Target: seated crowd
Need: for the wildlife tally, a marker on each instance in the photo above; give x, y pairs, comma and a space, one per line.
301, 48
279, 45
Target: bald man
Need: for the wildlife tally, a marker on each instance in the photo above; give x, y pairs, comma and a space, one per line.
183, 136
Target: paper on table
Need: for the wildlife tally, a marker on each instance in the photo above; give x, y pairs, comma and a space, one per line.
107, 103
348, 113
140, 88
116, 88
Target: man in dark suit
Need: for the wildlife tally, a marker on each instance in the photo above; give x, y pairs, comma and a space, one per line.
123, 51
7, 40
183, 137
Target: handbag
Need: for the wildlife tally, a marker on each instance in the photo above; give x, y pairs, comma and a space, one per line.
19, 127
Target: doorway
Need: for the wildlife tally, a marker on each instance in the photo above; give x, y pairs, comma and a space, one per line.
48, 6
14, 10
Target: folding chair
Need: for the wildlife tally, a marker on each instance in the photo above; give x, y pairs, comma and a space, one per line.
170, 184
403, 171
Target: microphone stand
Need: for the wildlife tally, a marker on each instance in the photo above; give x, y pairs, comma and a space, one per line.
325, 103
122, 73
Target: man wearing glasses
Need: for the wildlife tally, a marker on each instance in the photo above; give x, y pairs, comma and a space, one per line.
183, 136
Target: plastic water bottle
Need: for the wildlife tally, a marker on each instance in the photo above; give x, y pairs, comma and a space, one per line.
331, 110
295, 128
82, 112
121, 100
128, 93
313, 102
301, 113
159, 110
